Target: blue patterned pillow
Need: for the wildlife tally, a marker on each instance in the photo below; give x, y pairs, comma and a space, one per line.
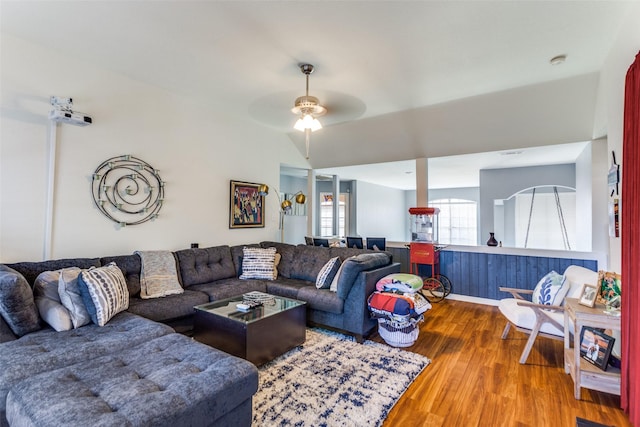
259, 263
327, 273
104, 292
551, 289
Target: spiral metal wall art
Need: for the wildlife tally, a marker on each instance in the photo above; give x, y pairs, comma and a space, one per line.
127, 190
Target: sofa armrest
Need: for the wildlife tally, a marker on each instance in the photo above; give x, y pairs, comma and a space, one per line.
517, 293
533, 305
356, 311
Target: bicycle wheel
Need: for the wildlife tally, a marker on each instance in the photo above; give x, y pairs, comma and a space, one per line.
433, 290
445, 282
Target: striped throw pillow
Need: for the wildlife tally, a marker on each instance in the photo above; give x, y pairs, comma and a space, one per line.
104, 292
327, 273
258, 263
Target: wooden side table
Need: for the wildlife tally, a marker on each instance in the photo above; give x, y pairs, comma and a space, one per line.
583, 373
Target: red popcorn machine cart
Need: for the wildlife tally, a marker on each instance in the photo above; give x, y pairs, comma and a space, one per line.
424, 249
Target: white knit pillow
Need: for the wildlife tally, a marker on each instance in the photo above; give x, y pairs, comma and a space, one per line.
258, 263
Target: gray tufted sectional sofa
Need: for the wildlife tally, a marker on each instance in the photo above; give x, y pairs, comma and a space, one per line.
136, 370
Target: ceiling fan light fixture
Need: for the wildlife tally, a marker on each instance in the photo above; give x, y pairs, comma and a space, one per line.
308, 108
307, 121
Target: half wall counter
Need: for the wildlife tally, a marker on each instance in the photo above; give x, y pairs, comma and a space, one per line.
476, 272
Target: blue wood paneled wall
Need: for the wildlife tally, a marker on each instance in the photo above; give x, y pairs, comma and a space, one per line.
481, 274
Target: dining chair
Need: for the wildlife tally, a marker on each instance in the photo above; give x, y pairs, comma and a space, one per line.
355, 242
377, 243
320, 242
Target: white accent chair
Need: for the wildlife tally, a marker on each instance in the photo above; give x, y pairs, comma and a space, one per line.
538, 319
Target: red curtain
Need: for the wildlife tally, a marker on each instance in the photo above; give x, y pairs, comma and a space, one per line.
630, 396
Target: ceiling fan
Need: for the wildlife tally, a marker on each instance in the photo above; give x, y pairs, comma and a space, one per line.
308, 109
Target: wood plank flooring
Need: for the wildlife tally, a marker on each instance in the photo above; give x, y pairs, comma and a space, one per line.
475, 379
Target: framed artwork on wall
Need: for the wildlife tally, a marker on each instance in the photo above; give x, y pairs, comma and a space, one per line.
246, 205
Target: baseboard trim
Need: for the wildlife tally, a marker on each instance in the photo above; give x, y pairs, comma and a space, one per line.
475, 300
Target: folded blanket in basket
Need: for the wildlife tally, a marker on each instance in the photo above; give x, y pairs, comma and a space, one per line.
158, 274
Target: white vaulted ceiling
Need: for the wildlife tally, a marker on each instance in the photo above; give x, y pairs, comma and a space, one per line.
400, 79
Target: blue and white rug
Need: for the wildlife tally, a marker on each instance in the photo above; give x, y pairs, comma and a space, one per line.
331, 380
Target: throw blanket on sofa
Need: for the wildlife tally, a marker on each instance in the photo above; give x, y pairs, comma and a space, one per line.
158, 274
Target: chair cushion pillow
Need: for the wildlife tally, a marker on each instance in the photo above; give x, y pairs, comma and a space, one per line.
327, 273
258, 263
104, 291
551, 289
71, 297
45, 292
17, 306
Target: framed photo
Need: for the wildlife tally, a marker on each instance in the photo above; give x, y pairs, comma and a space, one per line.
595, 346
610, 285
588, 295
246, 205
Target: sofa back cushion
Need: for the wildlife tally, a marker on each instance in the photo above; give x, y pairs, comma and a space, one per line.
31, 270
308, 261
130, 267
205, 265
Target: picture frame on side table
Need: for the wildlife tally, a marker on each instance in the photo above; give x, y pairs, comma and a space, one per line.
596, 346
246, 205
588, 295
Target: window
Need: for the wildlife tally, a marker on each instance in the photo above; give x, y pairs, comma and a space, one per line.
458, 224
539, 223
326, 214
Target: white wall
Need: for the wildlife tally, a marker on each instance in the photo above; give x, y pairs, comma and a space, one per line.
591, 197
196, 149
380, 212
499, 184
610, 105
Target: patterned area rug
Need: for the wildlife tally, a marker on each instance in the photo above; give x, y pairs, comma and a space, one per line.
331, 380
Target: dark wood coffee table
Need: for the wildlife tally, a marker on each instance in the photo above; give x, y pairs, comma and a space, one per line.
258, 335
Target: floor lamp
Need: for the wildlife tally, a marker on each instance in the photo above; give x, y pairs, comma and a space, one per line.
285, 205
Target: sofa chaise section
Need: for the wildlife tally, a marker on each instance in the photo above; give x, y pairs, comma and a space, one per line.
167, 381
47, 350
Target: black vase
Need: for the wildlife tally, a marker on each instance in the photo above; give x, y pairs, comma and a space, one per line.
492, 240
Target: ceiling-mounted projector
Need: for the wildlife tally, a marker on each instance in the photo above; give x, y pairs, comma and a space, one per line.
70, 117
62, 112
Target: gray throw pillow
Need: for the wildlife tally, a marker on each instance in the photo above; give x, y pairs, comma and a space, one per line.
71, 297
45, 292
17, 306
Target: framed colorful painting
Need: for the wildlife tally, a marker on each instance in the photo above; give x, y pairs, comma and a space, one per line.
246, 205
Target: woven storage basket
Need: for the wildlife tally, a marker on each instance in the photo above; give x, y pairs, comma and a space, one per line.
399, 334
